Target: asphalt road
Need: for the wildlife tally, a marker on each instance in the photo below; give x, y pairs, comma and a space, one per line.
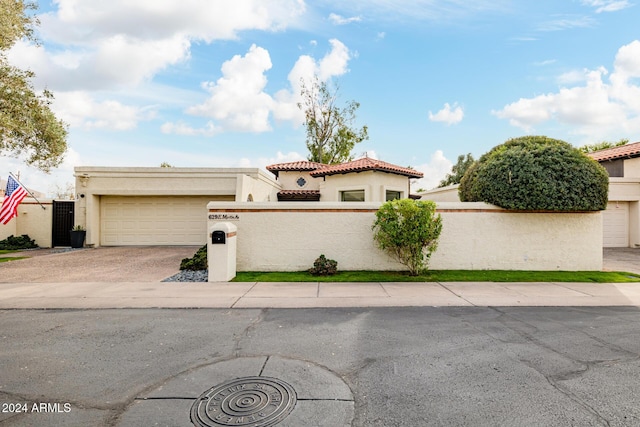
458, 366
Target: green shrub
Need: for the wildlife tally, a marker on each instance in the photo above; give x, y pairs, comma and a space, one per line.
324, 267
15, 243
408, 230
197, 262
537, 173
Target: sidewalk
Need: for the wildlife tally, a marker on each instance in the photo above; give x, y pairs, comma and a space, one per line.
94, 295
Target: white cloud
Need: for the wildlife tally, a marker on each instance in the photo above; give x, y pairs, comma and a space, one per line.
544, 63
335, 62
572, 77
181, 128
567, 23
434, 171
79, 109
598, 108
111, 63
238, 99
102, 45
430, 10
280, 157
607, 5
82, 22
447, 115
341, 20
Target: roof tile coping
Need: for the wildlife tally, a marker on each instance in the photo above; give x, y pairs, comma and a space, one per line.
366, 164
296, 166
623, 151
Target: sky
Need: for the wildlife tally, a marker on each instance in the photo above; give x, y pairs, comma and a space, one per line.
215, 83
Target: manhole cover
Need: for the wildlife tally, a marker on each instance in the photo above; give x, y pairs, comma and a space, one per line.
248, 401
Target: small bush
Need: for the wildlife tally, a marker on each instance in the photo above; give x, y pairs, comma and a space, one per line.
324, 267
197, 262
408, 230
15, 243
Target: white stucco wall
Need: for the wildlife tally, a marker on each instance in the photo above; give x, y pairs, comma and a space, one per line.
289, 237
443, 194
374, 183
31, 220
624, 189
288, 180
632, 168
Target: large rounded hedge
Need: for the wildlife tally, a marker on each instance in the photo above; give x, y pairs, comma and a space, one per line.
537, 173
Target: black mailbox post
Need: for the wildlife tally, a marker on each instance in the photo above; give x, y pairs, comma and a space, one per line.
218, 237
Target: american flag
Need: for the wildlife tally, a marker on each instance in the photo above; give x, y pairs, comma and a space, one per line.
12, 198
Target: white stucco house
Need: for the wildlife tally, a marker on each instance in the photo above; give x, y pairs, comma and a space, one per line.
287, 216
362, 180
167, 206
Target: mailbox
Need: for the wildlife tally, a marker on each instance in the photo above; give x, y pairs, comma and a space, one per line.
218, 237
221, 251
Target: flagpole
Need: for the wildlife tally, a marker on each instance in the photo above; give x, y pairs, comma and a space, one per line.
27, 190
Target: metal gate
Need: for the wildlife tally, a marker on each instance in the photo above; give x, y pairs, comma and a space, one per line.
62, 223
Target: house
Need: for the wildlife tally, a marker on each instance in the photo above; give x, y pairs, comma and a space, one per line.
167, 206
361, 180
159, 206
621, 219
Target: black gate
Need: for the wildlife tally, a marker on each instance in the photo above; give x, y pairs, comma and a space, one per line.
62, 223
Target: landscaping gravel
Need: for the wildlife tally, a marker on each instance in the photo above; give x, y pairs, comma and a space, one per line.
189, 276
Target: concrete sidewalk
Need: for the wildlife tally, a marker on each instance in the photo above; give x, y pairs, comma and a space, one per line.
96, 295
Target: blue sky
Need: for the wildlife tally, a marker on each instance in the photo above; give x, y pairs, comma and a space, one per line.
214, 83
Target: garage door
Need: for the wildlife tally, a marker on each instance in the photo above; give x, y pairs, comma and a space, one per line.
154, 220
616, 225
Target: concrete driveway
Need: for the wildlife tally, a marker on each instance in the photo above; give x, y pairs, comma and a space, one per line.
622, 259
154, 263
104, 264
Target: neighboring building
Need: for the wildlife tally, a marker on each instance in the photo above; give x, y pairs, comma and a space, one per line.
361, 180
167, 206
621, 220
442, 194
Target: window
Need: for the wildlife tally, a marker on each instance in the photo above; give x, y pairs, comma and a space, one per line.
352, 196
301, 182
393, 195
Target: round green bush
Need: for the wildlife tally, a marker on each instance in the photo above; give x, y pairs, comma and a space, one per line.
537, 173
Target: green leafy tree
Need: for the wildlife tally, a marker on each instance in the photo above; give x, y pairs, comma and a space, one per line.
330, 132
590, 148
28, 127
408, 230
537, 173
458, 170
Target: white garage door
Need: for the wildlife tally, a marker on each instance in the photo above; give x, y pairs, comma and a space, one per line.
154, 220
616, 225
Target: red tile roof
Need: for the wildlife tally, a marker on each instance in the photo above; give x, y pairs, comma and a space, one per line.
295, 166
366, 164
623, 151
